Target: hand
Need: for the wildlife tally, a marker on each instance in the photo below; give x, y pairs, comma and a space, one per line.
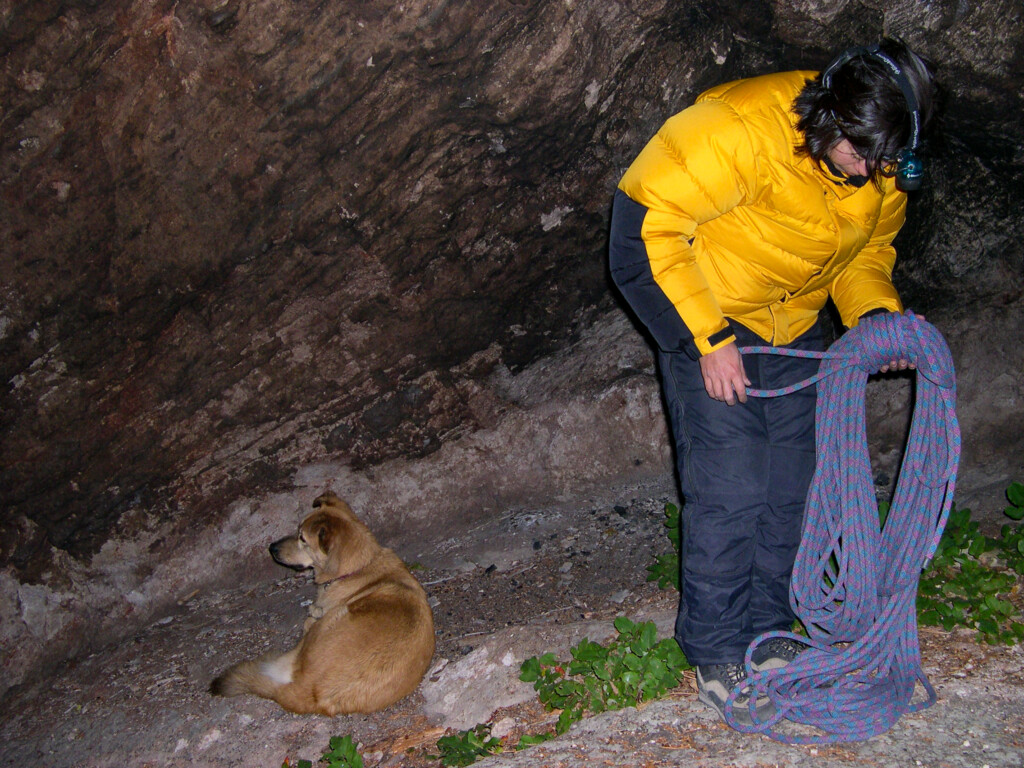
724, 377
899, 365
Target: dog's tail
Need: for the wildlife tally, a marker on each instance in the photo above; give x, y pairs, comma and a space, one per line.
263, 677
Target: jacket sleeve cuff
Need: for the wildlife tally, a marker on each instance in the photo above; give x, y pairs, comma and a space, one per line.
875, 311
716, 340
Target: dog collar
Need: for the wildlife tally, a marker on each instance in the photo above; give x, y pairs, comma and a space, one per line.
343, 576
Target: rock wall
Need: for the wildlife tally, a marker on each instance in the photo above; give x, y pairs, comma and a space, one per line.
244, 240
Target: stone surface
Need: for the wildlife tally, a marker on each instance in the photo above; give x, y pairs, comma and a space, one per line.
251, 249
466, 692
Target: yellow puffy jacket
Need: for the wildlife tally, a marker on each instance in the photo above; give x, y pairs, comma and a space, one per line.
738, 224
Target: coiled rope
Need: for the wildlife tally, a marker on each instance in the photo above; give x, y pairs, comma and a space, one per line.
854, 585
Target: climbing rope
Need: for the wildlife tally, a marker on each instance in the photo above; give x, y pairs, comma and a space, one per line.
854, 584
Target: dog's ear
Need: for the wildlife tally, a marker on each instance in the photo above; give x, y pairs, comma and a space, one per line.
338, 540
327, 498
322, 531
341, 541
323, 537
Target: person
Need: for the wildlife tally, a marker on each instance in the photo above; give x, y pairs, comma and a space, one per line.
736, 223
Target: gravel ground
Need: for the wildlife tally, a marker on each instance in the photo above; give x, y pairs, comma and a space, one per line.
531, 580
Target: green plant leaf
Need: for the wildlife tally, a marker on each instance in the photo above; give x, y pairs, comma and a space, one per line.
528, 740
565, 719
665, 569
343, 753
649, 634
1015, 494
623, 625
1000, 607
466, 747
632, 662
530, 670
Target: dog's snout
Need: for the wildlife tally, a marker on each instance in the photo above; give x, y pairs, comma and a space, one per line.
289, 553
275, 551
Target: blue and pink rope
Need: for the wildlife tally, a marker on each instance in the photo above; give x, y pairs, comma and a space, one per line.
854, 583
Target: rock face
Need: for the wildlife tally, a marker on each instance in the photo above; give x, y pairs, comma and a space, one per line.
247, 242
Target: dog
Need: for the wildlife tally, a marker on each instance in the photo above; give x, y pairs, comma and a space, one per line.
369, 637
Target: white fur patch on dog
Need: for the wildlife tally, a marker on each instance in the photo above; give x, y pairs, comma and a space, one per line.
279, 670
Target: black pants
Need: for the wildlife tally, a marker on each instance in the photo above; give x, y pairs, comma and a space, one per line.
744, 471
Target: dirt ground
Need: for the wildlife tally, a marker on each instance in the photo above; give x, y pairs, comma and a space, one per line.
532, 580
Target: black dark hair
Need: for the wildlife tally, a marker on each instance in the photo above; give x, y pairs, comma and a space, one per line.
863, 103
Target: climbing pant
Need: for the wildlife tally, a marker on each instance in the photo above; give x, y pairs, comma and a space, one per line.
744, 471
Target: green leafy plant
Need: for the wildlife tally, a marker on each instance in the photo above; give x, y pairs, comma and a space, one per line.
665, 569
342, 754
972, 577
883, 513
466, 747
631, 669
1015, 495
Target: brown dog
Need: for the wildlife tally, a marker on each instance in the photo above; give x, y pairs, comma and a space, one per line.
370, 635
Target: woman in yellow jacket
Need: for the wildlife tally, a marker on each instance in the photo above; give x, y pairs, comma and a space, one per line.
733, 227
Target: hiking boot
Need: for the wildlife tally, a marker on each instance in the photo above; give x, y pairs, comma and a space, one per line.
776, 653
714, 684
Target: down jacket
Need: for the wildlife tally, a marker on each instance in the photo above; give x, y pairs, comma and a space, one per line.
736, 223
